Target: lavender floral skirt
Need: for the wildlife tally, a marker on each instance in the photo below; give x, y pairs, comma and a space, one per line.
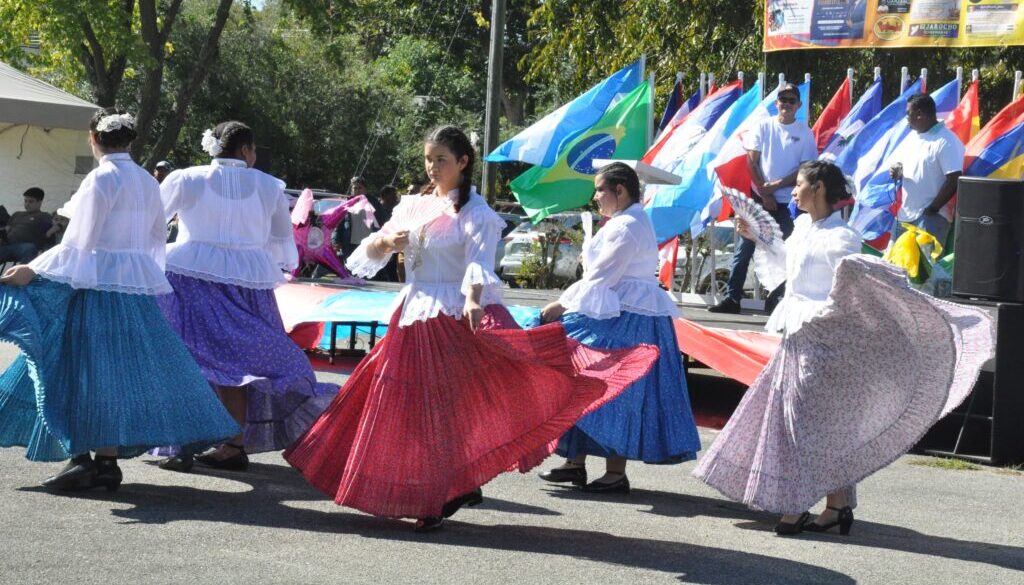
236, 336
849, 392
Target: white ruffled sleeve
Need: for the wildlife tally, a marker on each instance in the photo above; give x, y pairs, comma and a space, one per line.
846, 243
72, 261
359, 261
483, 230
176, 198
593, 295
281, 243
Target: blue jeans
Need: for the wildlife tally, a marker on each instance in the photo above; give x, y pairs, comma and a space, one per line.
745, 251
22, 252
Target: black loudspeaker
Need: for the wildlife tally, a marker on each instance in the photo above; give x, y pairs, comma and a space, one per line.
989, 240
987, 427
264, 159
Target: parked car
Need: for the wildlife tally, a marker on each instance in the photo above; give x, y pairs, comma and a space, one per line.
519, 246
725, 246
512, 220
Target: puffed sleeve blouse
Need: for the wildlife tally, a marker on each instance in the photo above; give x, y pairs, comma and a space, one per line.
620, 264
115, 237
449, 252
233, 225
810, 257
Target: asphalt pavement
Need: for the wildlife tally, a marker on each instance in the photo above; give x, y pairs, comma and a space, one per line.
917, 524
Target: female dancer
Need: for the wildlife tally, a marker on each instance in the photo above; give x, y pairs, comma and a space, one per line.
862, 371
235, 238
441, 406
101, 369
618, 304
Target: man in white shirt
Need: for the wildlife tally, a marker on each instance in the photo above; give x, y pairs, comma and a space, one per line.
929, 161
775, 149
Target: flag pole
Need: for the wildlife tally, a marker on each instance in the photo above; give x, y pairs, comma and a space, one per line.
702, 85
959, 82
1017, 78
904, 79
924, 80
849, 75
878, 74
975, 75
650, 112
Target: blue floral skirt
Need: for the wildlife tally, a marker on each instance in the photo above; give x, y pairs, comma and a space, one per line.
651, 420
99, 369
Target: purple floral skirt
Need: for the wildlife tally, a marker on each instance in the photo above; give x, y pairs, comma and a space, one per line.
236, 336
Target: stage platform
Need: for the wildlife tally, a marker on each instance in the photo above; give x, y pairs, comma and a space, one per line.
352, 316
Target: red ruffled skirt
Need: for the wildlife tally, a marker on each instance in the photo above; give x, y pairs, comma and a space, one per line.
436, 411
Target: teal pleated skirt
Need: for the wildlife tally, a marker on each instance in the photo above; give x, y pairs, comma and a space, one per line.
99, 369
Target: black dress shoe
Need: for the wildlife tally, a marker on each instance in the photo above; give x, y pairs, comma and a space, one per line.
575, 475
429, 524
619, 486
77, 475
787, 529
108, 474
237, 462
473, 498
844, 521
726, 306
182, 463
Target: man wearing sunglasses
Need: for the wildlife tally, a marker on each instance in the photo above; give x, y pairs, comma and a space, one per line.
775, 149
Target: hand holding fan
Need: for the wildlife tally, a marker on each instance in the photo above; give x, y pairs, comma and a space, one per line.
765, 229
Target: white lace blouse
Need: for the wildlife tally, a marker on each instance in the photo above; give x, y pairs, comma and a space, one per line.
620, 264
808, 259
116, 233
233, 225
448, 253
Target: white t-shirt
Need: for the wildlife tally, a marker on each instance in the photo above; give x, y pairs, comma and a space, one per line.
927, 157
783, 147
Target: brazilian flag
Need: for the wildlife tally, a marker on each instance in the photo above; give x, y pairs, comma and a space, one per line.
569, 183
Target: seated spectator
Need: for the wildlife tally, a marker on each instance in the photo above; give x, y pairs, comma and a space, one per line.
28, 232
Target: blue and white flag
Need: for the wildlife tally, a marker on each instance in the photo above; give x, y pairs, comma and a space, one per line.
541, 143
875, 131
866, 108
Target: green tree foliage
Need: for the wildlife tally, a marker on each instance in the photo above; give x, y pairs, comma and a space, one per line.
96, 46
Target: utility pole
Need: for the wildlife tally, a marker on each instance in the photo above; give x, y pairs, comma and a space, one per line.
492, 114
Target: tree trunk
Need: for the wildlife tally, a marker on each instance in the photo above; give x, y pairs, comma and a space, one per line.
153, 73
207, 56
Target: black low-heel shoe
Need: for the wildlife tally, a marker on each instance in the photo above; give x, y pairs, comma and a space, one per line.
182, 463
787, 529
237, 462
473, 498
77, 475
574, 475
108, 475
844, 521
429, 524
619, 486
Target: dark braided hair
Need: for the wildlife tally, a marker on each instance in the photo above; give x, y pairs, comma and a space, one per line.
114, 139
618, 173
233, 135
836, 187
458, 143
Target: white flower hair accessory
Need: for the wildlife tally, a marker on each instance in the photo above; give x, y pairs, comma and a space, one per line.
211, 144
115, 122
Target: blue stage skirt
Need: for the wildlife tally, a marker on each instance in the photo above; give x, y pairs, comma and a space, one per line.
99, 369
651, 420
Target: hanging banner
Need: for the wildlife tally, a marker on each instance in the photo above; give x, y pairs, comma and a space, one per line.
845, 24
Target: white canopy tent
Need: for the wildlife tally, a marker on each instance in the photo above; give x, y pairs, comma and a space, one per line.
43, 140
